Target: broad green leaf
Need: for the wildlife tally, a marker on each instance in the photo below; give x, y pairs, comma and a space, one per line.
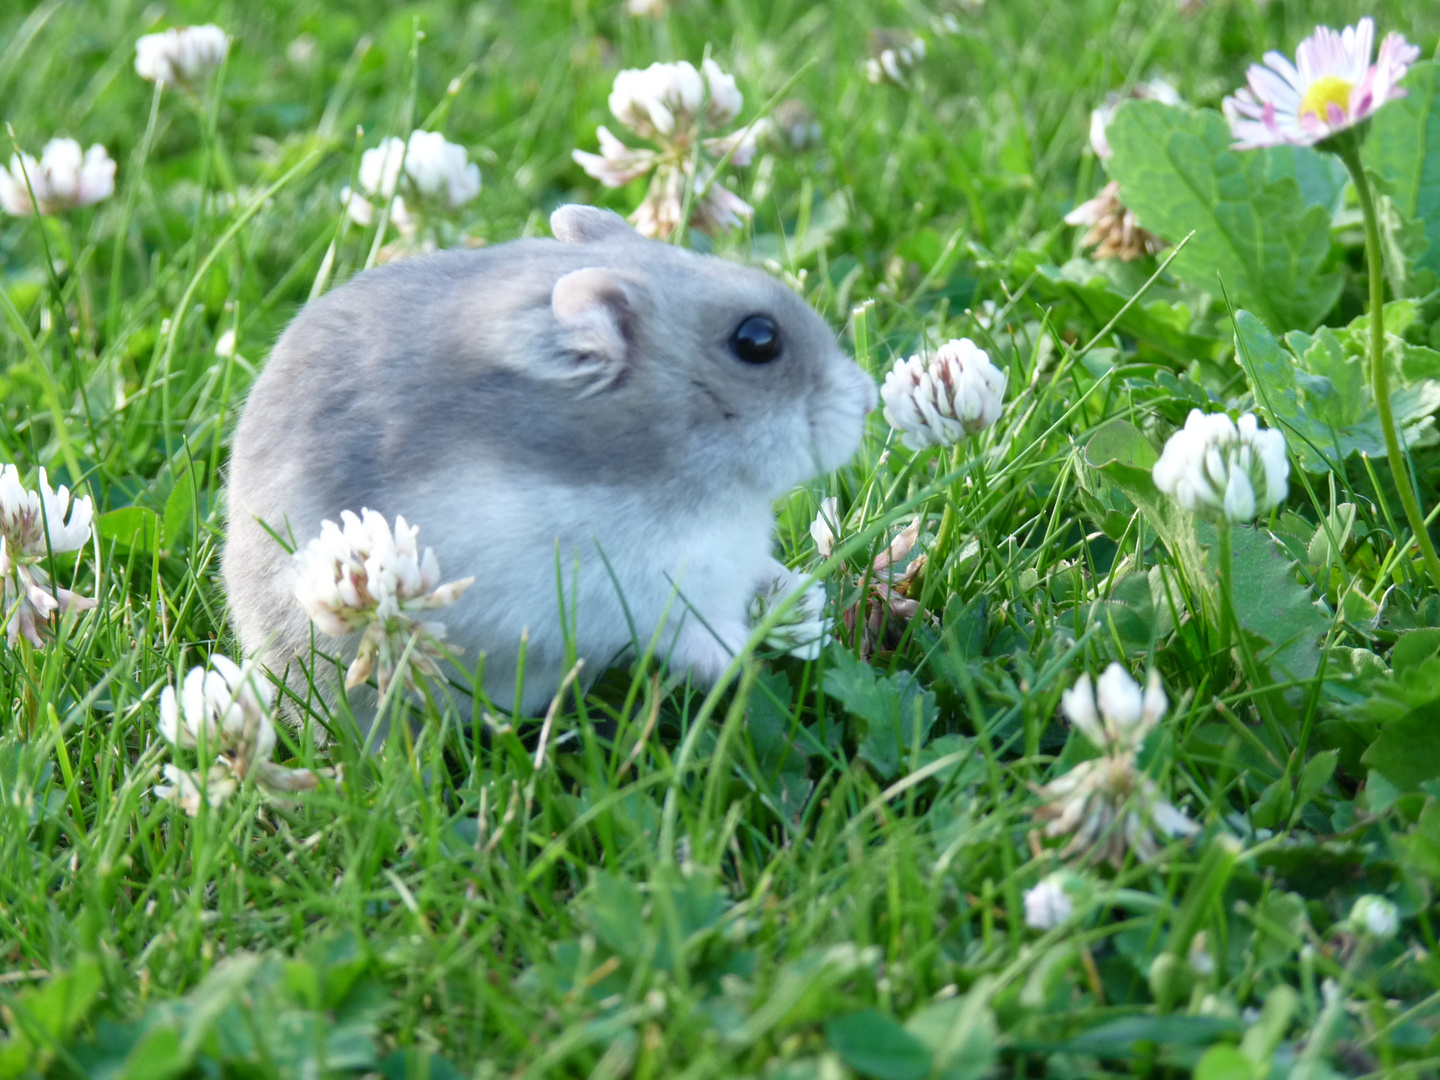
1272, 605
1408, 749
1316, 774
1421, 845
1116, 1038
1178, 174
1321, 177
1273, 807
1259, 1042
896, 712
181, 504
960, 1034
873, 1044
1403, 153
129, 528
1413, 648
1223, 1062
1305, 400
46, 1015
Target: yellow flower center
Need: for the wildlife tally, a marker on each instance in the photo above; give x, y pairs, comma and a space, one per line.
1322, 93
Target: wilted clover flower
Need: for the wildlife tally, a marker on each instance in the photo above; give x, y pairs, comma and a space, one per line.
361, 576
1106, 806
1111, 229
894, 53
27, 519
673, 105
806, 628
1331, 87
224, 712
938, 400
182, 55
1374, 917
64, 178
434, 173
1217, 468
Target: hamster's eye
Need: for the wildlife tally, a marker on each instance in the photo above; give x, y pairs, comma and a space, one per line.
756, 340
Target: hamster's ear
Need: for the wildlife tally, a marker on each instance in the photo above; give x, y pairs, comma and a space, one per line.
596, 317
577, 224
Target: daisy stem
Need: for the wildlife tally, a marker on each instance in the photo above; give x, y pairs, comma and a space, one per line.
1224, 571
1379, 379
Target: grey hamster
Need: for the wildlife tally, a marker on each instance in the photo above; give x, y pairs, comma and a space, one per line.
599, 391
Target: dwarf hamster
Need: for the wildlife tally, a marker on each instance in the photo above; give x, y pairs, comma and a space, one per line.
639, 405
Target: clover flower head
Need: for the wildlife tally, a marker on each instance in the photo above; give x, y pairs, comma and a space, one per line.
1154, 90
938, 400
1106, 805
1332, 86
1219, 468
223, 711
33, 525
182, 55
672, 105
1112, 229
1048, 905
893, 55
64, 178
434, 172
1374, 917
806, 628
362, 576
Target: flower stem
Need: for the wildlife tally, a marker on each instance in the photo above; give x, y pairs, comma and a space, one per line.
1379, 379
1224, 571
935, 561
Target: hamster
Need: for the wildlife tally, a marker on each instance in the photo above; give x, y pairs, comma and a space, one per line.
639, 405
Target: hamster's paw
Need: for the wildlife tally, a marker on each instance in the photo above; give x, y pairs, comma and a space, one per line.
707, 650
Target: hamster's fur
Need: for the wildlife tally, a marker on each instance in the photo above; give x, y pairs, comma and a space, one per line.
581, 391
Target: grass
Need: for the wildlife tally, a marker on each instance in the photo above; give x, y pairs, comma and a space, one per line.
686, 884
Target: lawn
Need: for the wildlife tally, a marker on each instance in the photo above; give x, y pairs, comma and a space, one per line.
915, 849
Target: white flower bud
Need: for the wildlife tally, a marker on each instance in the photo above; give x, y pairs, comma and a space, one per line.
1374, 916
1047, 905
1219, 469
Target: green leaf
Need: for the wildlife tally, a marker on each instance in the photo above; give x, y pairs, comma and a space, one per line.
1408, 749
47, 1015
130, 528
1316, 774
1260, 1041
1321, 177
1223, 1062
1413, 648
181, 504
1324, 404
960, 1034
1331, 535
1420, 847
896, 712
1274, 805
1273, 606
1403, 154
1178, 173
871, 1043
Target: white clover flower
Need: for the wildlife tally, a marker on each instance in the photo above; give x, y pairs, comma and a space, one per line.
225, 712
1374, 916
938, 400
64, 178
826, 526
1332, 86
361, 576
1111, 229
434, 172
182, 55
652, 8
33, 525
1154, 90
806, 628
225, 344
673, 105
1106, 805
1047, 905
1218, 468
